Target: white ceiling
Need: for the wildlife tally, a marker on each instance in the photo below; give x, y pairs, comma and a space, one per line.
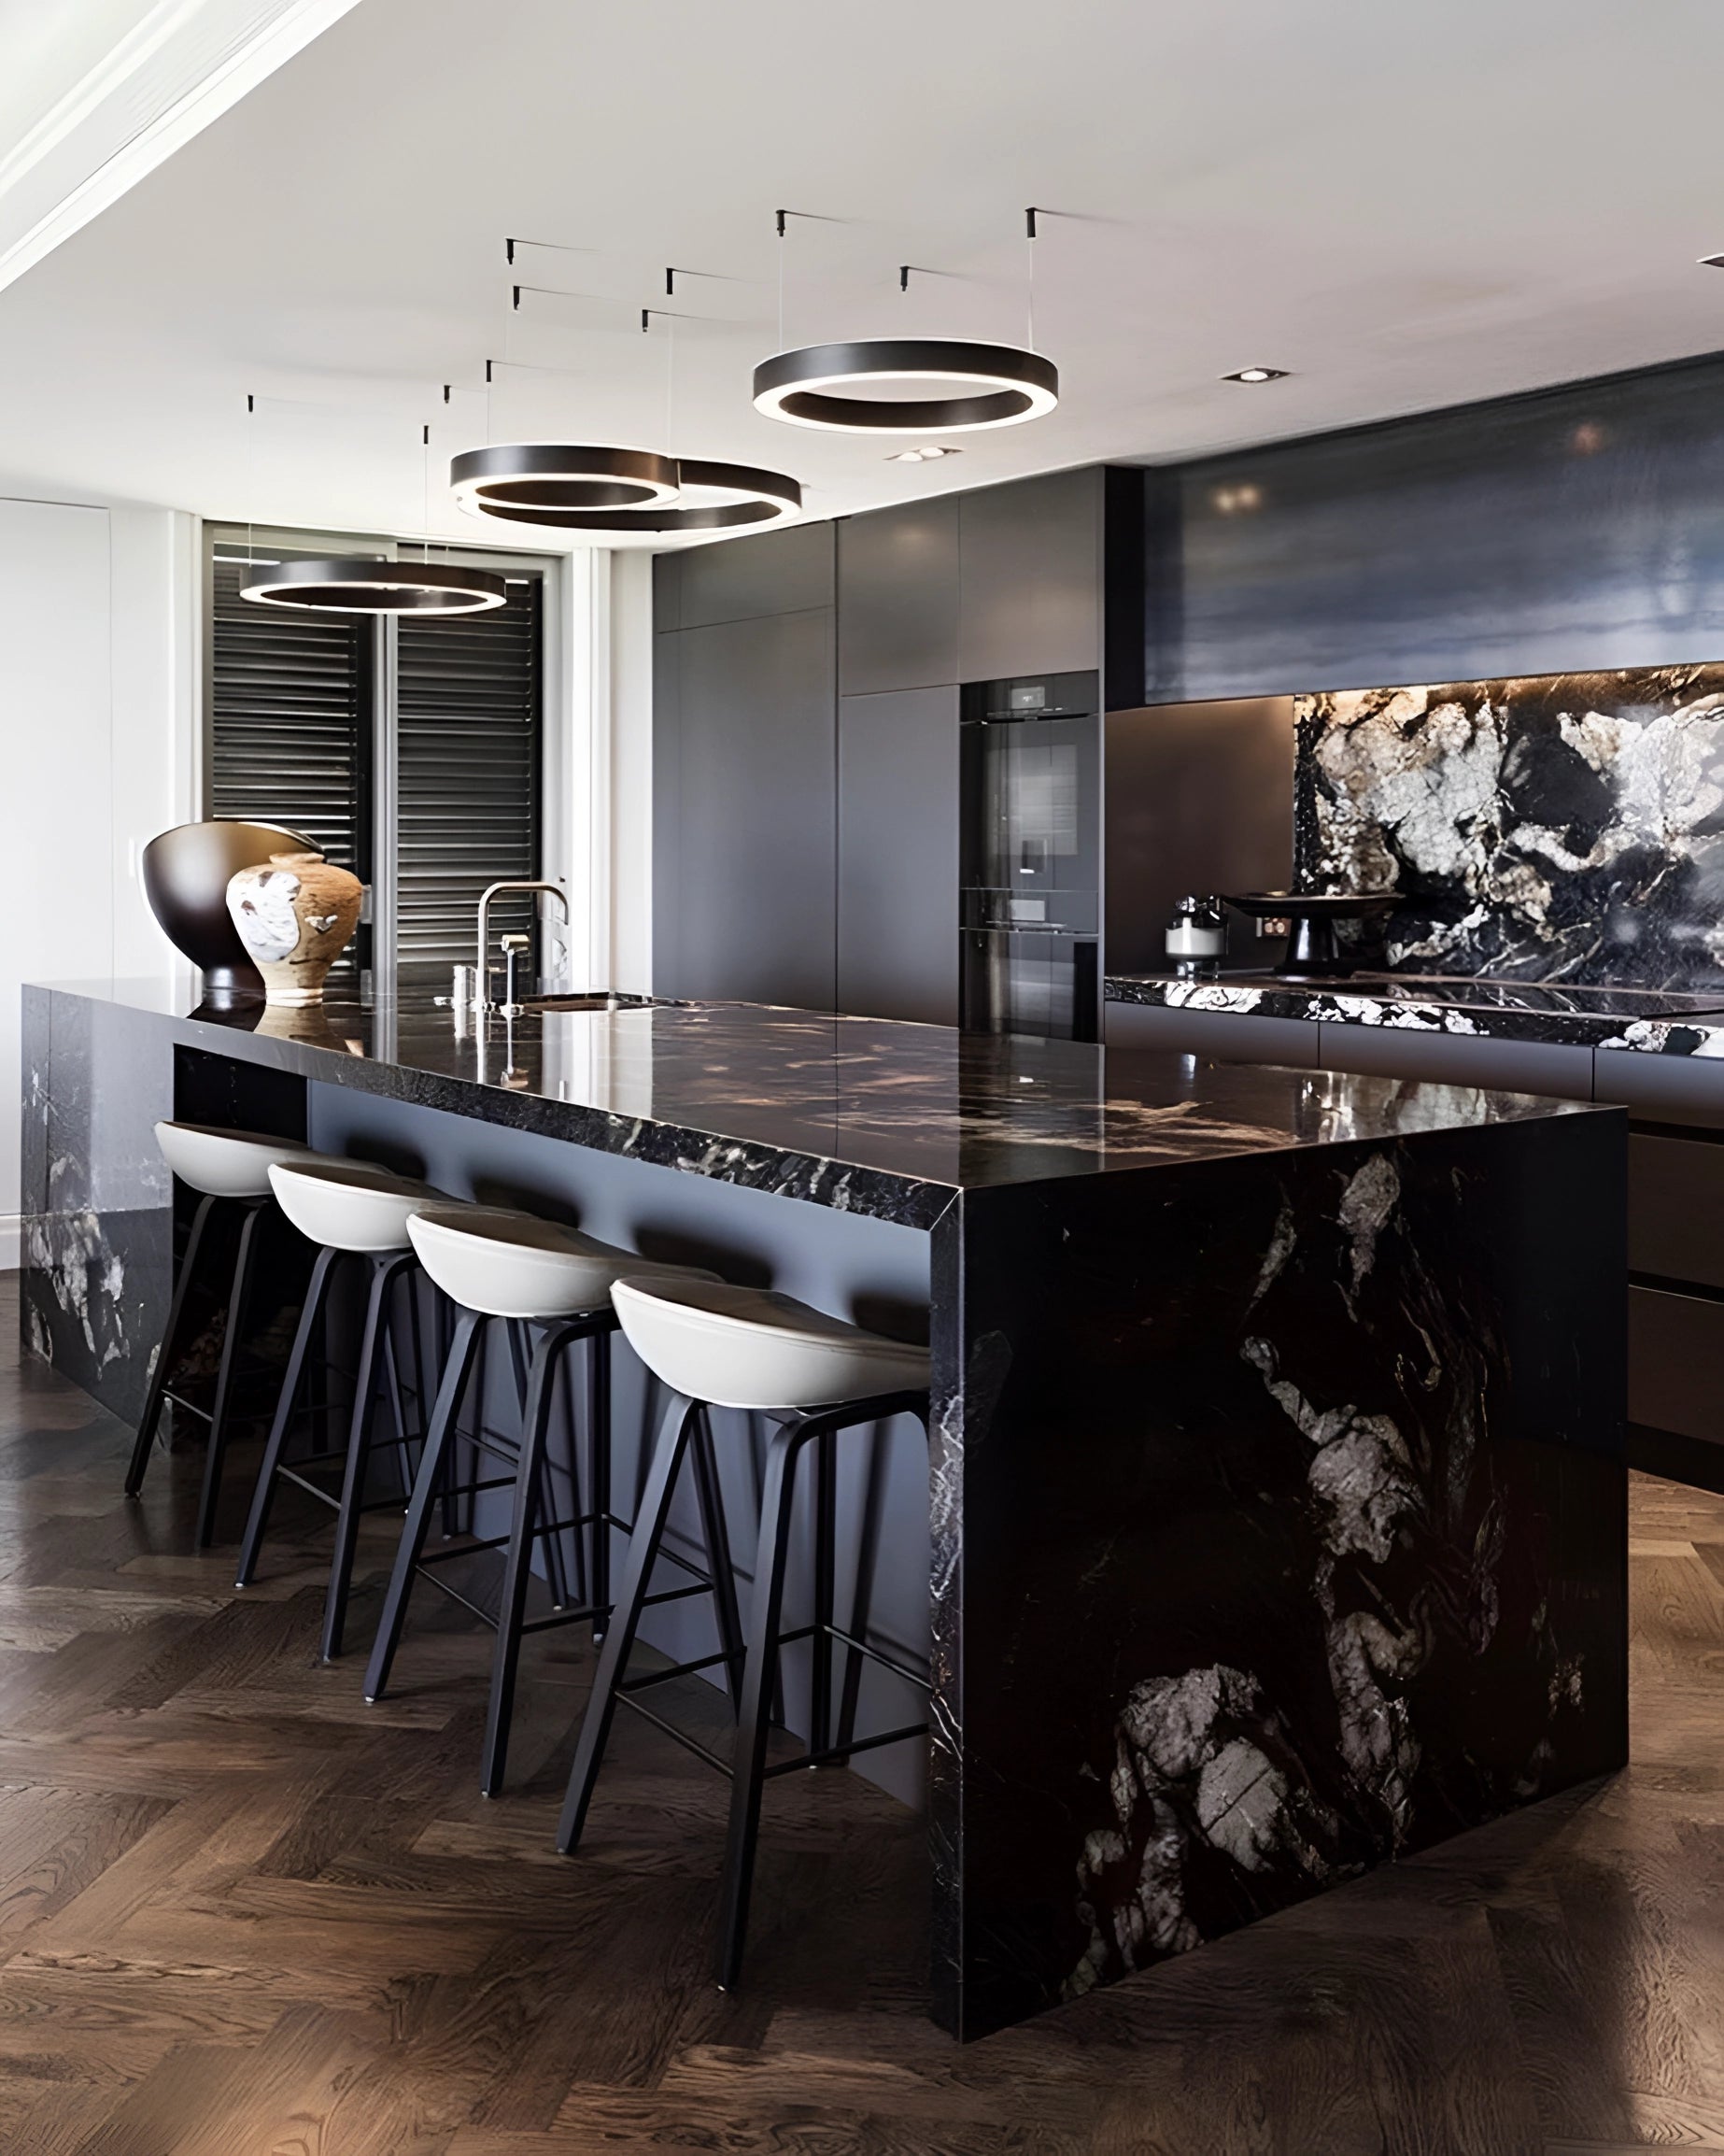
1407, 206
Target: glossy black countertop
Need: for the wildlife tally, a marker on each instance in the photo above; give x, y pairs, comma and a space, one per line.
862, 1114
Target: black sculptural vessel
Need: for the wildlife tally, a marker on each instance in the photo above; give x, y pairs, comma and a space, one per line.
1312, 953
186, 875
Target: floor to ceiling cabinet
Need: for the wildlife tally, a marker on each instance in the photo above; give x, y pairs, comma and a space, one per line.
745, 790
806, 729
897, 855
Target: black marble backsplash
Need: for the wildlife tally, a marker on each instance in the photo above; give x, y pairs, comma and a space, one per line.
1563, 827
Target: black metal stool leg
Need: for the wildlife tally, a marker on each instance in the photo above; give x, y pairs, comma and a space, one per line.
655, 1507
710, 1493
748, 1772
239, 1299
426, 1485
373, 1346
529, 1491
825, 1570
263, 1496
598, 1475
168, 1351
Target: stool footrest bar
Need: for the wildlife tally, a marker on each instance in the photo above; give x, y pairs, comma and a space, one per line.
844, 1750
688, 1743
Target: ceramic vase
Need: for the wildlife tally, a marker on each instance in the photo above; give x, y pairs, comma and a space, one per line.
295, 916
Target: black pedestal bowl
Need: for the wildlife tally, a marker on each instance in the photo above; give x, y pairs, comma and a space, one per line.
186, 875
1312, 953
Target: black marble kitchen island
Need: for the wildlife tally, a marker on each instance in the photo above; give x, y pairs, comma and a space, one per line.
1277, 1484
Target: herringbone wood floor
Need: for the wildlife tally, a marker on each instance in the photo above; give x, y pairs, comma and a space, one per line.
242, 1914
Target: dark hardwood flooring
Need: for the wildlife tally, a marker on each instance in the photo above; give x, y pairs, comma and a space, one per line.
243, 1914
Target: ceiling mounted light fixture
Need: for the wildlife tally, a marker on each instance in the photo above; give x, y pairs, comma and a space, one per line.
708, 496
1258, 374
367, 583
908, 385
880, 386
353, 584
712, 497
543, 477
921, 456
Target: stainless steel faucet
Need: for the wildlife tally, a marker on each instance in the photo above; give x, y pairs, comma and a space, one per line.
481, 987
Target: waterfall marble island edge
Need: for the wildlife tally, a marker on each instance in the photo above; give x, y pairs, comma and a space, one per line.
1277, 1497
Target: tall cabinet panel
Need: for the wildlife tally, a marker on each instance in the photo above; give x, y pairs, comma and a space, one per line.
897, 855
898, 598
1030, 577
746, 865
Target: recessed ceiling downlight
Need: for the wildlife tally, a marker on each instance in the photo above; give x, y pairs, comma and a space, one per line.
354, 583
885, 386
508, 477
714, 497
1258, 374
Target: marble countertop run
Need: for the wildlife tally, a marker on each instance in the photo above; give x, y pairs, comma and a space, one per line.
863, 1115
1656, 1021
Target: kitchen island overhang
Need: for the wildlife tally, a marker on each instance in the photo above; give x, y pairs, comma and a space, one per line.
1278, 1495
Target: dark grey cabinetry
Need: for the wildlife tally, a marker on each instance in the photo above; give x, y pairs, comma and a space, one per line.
897, 855
744, 858
778, 573
775, 880
1030, 576
898, 598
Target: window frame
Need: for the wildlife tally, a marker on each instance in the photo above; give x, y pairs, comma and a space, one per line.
381, 915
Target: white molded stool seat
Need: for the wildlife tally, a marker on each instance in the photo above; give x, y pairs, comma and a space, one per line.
226, 1163
748, 1347
352, 1205
507, 1264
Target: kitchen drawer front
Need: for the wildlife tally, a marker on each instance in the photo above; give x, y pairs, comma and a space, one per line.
1226, 1036
1662, 1089
1676, 1208
1504, 1066
1675, 1362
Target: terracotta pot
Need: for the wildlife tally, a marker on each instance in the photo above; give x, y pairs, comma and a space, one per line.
295, 917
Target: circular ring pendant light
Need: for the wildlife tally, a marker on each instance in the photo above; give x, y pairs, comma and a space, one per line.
353, 584
510, 478
987, 384
731, 497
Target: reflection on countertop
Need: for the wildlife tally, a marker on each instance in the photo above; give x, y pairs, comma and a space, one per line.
863, 1115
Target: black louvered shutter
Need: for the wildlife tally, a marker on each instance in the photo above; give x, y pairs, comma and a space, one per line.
291, 728
467, 702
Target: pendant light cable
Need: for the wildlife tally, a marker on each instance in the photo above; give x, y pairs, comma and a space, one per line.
251, 470
1029, 305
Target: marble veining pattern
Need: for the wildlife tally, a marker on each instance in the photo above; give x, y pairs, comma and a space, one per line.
1231, 1784
859, 1115
1454, 1007
1560, 827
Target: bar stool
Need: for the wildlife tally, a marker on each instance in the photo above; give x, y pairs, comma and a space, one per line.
351, 1210
230, 1170
497, 1265
717, 1345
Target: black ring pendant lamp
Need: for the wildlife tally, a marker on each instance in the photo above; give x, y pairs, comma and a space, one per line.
366, 583
988, 386
734, 497
355, 583
534, 482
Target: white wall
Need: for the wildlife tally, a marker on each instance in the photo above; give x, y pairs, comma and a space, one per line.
98, 665
601, 767
629, 794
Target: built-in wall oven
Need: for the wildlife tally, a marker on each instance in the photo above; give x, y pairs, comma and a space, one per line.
1029, 854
